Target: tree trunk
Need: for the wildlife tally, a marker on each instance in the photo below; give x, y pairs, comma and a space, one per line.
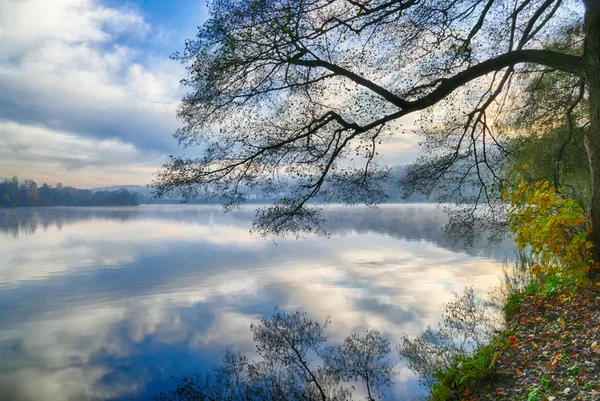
592, 140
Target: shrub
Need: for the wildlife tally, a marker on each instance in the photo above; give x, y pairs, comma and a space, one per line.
555, 228
465, 370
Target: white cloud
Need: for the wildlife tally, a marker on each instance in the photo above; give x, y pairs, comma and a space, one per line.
53, 155
25, 23
401, 149
79, 67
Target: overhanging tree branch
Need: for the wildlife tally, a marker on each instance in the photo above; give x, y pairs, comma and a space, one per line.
272, 107
559, 61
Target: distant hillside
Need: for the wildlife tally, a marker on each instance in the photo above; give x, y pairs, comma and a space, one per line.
137, 189
144, 193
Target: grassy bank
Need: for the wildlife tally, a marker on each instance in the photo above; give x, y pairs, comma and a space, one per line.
549, 350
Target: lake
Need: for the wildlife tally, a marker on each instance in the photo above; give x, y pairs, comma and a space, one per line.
110, 303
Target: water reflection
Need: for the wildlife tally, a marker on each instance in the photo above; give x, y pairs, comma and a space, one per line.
109, 303
410, 221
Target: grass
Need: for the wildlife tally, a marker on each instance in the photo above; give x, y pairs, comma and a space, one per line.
514, 300
465, 371
544, 286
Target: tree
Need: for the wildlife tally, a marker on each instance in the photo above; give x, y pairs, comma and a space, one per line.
552, 227
15, 193
554, 158
301, 93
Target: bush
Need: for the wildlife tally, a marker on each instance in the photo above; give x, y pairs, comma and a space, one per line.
555, 229
464, 371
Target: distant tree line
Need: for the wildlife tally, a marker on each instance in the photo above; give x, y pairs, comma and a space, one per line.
26, 193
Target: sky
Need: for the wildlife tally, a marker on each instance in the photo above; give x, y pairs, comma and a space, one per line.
88, 94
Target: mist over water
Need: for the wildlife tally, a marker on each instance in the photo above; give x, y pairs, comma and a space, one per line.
110, 303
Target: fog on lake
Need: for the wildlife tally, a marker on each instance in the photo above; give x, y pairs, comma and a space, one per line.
110, 303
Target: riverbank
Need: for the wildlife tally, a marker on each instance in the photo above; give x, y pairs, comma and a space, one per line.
550, 350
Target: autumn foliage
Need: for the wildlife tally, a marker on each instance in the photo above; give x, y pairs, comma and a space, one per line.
555, 228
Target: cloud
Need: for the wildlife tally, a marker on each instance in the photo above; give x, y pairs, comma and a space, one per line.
400, 150
65, 20
91, 71
52, 155
100, 71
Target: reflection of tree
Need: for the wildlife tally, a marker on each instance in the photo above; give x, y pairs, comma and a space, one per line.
468, 322
408, 222
404, 222
28, 220
295, 365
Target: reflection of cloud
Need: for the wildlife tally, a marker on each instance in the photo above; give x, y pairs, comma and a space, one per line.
111, 244
42, 384
189, 282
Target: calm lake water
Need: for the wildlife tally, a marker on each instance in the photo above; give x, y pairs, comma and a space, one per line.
110, 303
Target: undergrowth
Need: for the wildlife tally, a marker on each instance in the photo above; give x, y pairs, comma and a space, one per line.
465, 371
